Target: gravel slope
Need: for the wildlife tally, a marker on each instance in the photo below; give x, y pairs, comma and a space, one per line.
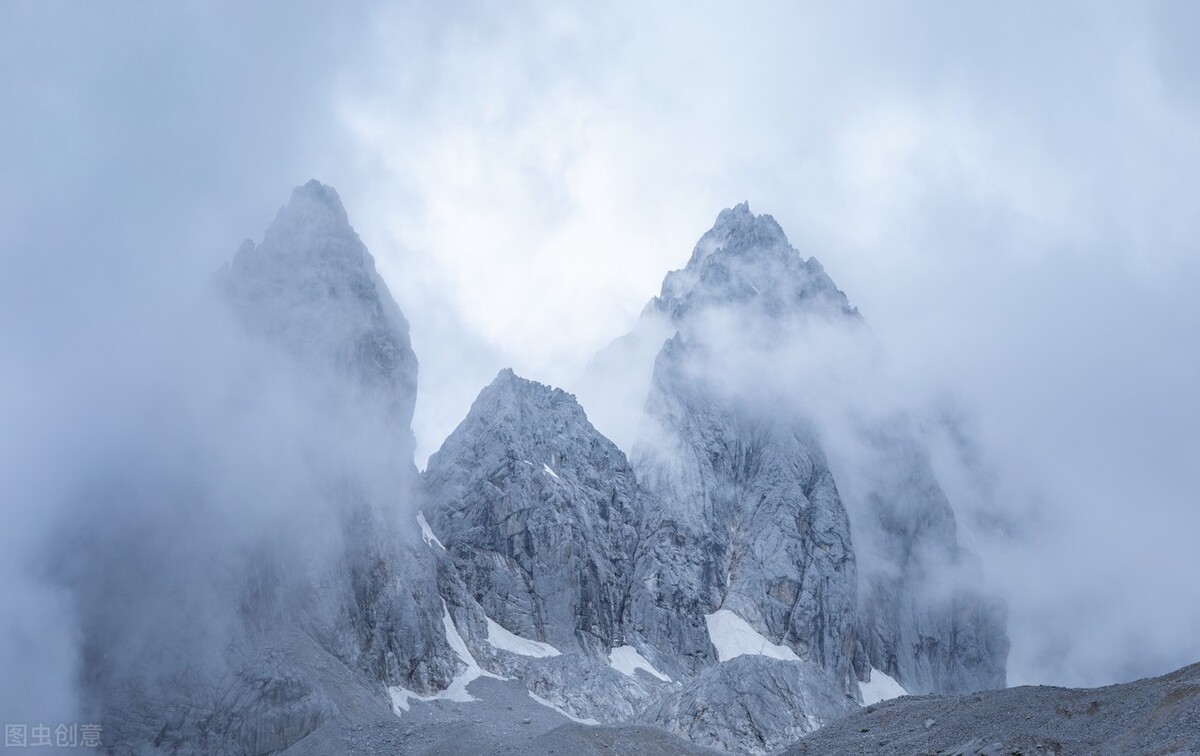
1158, 716
504, 721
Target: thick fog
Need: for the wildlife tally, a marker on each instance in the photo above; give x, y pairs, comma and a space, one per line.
149, 446
1005, 191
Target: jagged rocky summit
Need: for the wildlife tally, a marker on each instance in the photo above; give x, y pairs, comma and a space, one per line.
723, 582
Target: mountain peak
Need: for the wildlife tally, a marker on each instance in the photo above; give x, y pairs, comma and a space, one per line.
315, 189
507, 376
737, 212
522, 396
314, 210
746, 259
737, 230
312, 231
507, 381
311, 287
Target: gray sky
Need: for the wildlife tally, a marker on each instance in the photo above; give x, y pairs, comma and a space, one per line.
1007, 191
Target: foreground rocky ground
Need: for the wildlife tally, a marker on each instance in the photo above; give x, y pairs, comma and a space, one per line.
1157, 716
504, 720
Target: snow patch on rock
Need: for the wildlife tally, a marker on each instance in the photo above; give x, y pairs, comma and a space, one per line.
880, 688
627, 660
427, 532
733, 636
459, 646
505, 640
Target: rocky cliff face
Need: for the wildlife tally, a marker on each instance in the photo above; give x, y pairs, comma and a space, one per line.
539, 513
748, 520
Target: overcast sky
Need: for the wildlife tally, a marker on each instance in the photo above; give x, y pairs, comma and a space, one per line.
1007, 191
